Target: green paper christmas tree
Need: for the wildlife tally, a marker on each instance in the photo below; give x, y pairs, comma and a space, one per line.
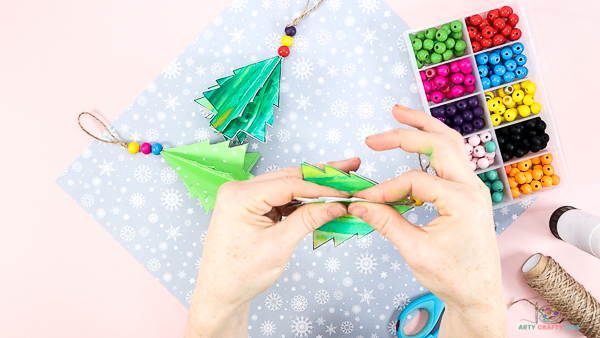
204, 167
242, 104
342, 228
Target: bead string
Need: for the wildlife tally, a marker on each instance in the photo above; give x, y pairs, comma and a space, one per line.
116, 140
305, 12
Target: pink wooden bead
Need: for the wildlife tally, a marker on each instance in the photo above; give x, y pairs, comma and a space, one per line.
428, 96
454, 67
146, 148
440, 81
470, 157
427, 86
479, 152
490, 156
470, 89
491, 160
443, 70
469, 80
423, 76
458, 91
473, 166
483, 163
485, 137
430, 73
437, 97
465, 66
474, 140
457, 78
469, 148
449, 95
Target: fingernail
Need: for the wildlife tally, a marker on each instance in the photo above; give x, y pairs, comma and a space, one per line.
336, 211
401, 107
358, 211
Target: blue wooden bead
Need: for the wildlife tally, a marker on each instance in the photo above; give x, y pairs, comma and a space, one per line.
506, 53
518, 48
290, 31
521, 60
499, 70
494, 59
486, 83
521, 72
496, 80
157, 148
482, 59
483, 70
511, 65
509, 76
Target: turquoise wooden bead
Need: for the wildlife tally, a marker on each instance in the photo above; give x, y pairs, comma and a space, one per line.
497, 186
490, 147
497, 196
157, 148
491, 175
488, 184
483, 177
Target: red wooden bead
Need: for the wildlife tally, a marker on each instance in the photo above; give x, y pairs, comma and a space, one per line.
487, 32
283, 51
512, 20
478, 37
499, 24
472, 32
498, 39
506, 30
476, 46
487, 43
505, 11
484, 22
515, 34
475, 20
493, 15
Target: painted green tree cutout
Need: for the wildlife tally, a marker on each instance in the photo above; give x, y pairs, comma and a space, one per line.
204, 167
242, 104
342, 228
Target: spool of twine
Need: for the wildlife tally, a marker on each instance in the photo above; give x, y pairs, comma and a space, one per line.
560, 290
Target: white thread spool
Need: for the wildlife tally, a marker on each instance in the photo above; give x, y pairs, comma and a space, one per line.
577, 228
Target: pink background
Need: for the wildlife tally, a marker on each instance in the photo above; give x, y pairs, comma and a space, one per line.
62, 275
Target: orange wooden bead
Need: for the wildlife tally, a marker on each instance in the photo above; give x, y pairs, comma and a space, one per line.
536, 185
513, 172
536, 160
537, 174
514, 165
512, 183
528, 177
507, 169
555, 180
520, 178
524, 165
515, 192
546, 181
537, 166
547, 159
526, 189
548, 170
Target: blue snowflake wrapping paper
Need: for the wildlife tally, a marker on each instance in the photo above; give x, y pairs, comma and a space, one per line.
348, 67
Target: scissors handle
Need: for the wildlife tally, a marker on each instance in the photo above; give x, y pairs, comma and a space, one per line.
434, 307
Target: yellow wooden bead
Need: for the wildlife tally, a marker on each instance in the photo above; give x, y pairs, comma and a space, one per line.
523, 110
496, 119
501, 92
536, 108
518, 95
501, 109
528, 99
418, 203
489, 96
529, 88
492, 105
517, 86
133, 147
507, 101
287, 40
510, 114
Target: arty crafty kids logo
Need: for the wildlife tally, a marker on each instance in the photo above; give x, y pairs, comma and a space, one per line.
547, 318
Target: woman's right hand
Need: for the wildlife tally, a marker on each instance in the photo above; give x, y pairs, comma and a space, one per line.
456, 255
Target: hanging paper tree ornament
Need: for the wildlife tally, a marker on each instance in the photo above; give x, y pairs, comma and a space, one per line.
242, 104
343, 228
203, 167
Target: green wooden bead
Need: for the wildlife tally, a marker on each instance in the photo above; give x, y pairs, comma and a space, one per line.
422, 55
430, 33
497, 197
428, 59
488, 184
490, 147
441, 35
497, 186
439, 47
456, 26
448, 54
491, 175
482, 177
460, 46
459, 53
417, 44
450, 42
412, 37
456, 35
420, 64
446, 27
436, 58
428, 44
421, 35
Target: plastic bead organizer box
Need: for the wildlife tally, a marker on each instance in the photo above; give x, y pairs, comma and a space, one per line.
480, 75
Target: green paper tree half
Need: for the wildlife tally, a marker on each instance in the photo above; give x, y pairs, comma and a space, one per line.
342, 228
204, 167
242, 104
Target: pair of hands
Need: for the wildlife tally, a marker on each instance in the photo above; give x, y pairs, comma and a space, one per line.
455, 256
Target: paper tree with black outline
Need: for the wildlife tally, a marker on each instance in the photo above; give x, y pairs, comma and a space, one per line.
204, 167
342, 228
242, 104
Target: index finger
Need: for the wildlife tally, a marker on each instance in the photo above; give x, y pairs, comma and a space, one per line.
348, 165
423, 121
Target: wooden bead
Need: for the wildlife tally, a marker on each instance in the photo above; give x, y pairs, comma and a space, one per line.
133, 147
287, 40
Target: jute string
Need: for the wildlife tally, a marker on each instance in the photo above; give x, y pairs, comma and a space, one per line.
114, 140
564, 293
305, 12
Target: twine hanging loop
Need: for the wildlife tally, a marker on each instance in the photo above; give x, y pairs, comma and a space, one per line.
305, 12
114, 140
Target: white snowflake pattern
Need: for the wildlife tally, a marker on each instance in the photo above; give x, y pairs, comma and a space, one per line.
323, 37
332, 264
403, 169
296, 276
237, 35
369, 36
365, 110
267, 328
168, 175
334, 5
322, 297
137, 200
356, 309
333, 135
302, 68
300, 43
366, 296
297, 148
153, 264
173, 70
273, 302
189, 295
338, 294
238, 5
347, 281
301, 326
401, 44
299, 303
167, 277
399, 70
173, 232
349, 69
283, 135
366, 263
171, 199
412, 217
368, 168
152, 135
364, 242
142, 173
272, 42
127, 233
105, 168
368, 6
339, 108
392, 327
504, 211
400, 301
366, 130
217, 68
283, 4
388, 102
330, 329
347, 327
172, 102
413, 88
526, 203
202, 134
320, 321
303, 102
271, 168
144, 231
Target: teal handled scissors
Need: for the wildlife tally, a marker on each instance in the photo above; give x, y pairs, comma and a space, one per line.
434, 307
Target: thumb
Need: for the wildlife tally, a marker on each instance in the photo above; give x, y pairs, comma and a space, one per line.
308, 218
388, 222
